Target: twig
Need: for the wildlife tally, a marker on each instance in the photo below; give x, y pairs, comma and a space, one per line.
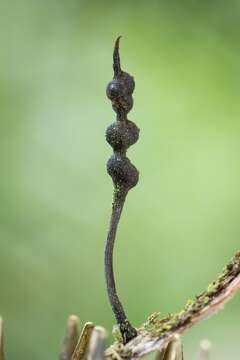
156, 333
71, 338
2, 357
174, 350
83, 342
160, 354
97, 344
204, 351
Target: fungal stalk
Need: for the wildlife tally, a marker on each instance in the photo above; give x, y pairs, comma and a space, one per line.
120, 135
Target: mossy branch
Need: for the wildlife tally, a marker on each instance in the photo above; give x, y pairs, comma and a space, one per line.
156, 333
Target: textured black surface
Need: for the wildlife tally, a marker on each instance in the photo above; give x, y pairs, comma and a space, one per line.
120, 135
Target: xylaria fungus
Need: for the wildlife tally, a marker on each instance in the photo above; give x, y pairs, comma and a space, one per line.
120, 135
161, 335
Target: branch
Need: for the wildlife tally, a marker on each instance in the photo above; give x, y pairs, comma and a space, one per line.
83, 342
204, 351
97, 344
2, 357
156, 333
173, 351
71, 338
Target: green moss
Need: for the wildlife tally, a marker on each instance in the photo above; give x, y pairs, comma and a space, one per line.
117, 335
158, 326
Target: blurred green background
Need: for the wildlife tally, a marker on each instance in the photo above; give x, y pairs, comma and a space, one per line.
181, 223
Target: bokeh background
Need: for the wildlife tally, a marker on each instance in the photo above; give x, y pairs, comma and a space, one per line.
181, 223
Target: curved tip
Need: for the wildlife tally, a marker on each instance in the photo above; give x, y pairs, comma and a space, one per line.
116, 57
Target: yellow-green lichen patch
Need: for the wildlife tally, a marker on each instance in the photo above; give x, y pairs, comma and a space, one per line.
158, 326
118, 351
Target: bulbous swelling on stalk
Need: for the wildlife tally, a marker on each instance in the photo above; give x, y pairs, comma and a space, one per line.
120, 135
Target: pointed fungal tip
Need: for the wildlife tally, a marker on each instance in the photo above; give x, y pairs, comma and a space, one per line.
116, 57
117, 41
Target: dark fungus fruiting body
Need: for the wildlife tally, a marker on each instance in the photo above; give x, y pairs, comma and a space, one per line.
120, 135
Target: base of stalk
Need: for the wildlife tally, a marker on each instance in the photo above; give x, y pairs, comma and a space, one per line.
128, 331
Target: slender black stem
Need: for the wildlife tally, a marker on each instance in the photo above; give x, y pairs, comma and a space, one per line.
120, 135
117, 206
